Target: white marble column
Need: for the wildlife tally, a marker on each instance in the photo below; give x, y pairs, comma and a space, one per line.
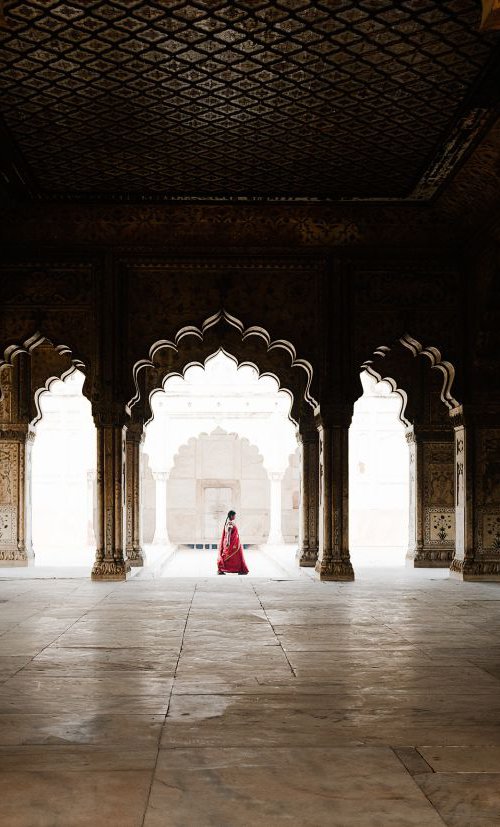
161, 530
275, 532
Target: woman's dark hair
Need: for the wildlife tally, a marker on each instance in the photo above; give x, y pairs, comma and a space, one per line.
231, 514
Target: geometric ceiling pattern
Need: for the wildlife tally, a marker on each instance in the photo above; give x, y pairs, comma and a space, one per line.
245, 99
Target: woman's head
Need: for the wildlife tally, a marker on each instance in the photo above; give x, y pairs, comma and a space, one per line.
231, 515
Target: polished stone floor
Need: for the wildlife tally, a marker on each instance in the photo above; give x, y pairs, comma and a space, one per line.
233, 702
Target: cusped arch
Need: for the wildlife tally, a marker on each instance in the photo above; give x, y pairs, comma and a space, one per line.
181, 373
42, 378
400, 392
253, 346
28, 345
378, 366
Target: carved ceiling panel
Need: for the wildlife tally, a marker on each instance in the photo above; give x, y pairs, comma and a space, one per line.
247, 99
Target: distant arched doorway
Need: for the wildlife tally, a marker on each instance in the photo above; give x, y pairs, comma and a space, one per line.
240, 459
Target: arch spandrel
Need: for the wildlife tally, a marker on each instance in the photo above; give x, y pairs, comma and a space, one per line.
418, 374
45, 363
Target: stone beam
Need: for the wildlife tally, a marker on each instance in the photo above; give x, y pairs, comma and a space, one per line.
491, 15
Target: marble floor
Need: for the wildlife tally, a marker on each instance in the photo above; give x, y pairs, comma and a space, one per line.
240, 701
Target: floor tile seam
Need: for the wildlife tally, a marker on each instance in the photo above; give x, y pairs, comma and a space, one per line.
292, 670
48, 645
423, 793
15, 626
162, 727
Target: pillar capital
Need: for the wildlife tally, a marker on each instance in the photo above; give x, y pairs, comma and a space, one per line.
160, 476
425, 433
307, 430
329, 415
16, 433
135, 433
485, 414
109, 415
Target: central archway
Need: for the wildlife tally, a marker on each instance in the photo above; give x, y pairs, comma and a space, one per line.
253, 347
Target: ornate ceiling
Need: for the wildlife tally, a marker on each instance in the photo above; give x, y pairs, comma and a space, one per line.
246, 99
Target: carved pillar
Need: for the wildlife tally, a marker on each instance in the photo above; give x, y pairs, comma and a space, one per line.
333, 555
477, 492
15, 495
135, 554
110, 563
161, 530
307, 553
432, 514
91, 479
16, 441
275, 532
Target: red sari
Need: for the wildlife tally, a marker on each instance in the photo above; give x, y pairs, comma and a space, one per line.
230, 559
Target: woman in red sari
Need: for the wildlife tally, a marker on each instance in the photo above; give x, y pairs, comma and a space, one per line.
230, 559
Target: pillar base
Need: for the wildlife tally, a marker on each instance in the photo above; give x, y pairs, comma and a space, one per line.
307, 557
15, 557
429, 558
470, 570
334, 570
111, 570
136, 557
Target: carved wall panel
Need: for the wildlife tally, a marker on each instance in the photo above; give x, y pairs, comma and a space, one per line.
9, 472
6, 400
8, 524
487, 534
56, 300
166, 295
439, 496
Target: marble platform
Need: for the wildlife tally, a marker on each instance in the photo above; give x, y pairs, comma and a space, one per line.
240, 701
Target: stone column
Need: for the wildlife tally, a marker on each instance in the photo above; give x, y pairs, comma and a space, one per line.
110, 563
477, 494
432, 508
15, 495
161, 530
333, 555
275, 532
135, 554
307, 553
91, 479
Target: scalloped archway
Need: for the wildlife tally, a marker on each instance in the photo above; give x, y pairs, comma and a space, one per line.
253, 345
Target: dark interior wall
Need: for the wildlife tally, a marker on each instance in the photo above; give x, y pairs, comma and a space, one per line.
107, 284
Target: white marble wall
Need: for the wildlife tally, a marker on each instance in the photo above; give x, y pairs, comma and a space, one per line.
233, 466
